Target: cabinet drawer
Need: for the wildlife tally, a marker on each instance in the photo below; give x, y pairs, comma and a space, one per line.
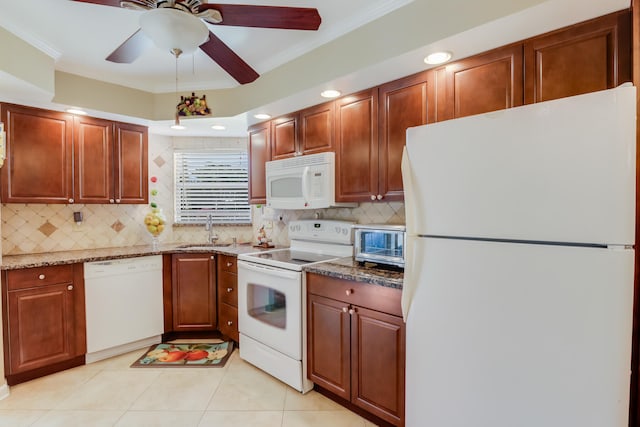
228, 288
228, 321
228, 263
374, 297
39, 276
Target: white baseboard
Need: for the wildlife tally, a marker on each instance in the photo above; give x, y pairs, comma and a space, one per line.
4, 391
122, 349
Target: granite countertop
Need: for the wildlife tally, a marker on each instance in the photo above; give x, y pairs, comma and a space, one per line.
13, 262
344, 268
349, 269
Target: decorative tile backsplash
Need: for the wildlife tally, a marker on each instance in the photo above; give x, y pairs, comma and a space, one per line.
36, 228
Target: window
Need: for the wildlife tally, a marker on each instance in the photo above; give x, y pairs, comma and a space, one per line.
213, 182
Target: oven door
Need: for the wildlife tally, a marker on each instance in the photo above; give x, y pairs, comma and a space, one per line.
270, 307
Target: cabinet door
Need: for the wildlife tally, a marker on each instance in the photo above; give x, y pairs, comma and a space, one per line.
131, 164
316, 128
378, 363
587, 57
487, 82
41, 326
194, 292
403, 104
93, 144
228, 321
357, 147
39, 163
329, 345
259, 154
284, 133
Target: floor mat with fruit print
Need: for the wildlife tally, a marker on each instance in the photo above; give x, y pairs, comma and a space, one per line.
181, 355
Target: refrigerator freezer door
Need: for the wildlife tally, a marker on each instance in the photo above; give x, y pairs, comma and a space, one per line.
561, 170
527, 335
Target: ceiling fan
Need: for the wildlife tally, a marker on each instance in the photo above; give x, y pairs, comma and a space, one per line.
191, 15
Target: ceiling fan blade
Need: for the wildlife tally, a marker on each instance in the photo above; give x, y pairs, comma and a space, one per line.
131, 49
288, 18
114, 3
228, 60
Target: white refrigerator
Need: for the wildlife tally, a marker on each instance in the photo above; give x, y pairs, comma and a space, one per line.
518, 289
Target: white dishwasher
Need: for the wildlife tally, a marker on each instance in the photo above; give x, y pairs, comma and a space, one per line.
123, 299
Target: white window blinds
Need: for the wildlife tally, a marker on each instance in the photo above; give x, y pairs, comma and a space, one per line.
212, 183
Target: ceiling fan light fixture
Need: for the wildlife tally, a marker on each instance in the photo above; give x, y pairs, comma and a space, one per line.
171, 29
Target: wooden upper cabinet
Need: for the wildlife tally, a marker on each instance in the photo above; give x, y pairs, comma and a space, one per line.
259, 154
284, 132
316, 128
39, 149
357, 146
93, 147
131, 164
587, 57
403, 104
479, 84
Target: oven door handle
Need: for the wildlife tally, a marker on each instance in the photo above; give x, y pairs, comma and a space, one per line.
273, 271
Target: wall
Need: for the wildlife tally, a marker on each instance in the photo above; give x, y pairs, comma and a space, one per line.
35, 228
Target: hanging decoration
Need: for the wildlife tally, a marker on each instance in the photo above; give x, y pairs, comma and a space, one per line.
193, 106
154, 220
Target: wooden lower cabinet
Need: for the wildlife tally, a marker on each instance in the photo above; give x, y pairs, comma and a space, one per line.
356, 344
44, 321
228, 296
193, 278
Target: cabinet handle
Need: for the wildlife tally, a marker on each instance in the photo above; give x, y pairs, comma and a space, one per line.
379, 196
373, 197
70, 200
229, 323
111, 201
70, 287
229, 289
349, 292
352, 310
41, 277
345, 309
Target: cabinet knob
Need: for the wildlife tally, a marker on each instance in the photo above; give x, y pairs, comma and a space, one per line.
213, 257
117, 200
229, 264
229, 289
41, 277
349, 291
70, 287
345, 309
229, 323
373, 197
111, 201
352, 310
379, 197
70, 200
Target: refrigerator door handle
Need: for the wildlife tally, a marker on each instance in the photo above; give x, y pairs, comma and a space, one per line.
410, 276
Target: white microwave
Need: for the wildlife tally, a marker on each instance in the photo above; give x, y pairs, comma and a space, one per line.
303, 182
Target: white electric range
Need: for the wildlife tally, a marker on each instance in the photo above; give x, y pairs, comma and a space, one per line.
272, 297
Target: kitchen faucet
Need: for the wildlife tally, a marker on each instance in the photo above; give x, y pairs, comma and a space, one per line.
209, 227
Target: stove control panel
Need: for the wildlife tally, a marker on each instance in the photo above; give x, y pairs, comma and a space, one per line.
322, 230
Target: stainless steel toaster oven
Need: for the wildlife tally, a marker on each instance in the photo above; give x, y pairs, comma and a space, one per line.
380, 244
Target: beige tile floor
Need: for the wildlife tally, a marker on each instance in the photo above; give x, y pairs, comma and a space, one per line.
110, 393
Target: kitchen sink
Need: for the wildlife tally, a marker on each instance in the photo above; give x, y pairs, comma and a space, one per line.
203, 246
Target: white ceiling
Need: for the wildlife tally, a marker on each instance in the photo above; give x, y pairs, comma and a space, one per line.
79, 36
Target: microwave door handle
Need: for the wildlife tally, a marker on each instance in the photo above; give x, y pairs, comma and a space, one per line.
305, 184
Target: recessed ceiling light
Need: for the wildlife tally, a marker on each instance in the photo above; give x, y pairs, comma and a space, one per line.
330, 93
262, 116
218, 127
178, 127
437, 58
76, 111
